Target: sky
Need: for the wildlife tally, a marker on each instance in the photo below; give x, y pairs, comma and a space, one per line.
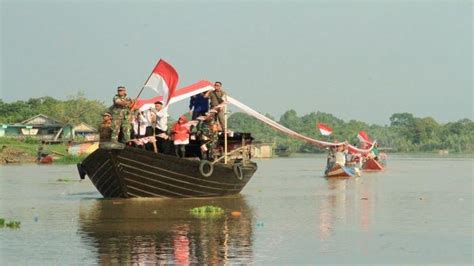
362, 60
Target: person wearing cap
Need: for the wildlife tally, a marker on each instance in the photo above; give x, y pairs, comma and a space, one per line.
218, 96
121, 115
105, 128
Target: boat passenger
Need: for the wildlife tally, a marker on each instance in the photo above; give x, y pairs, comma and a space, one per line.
121, 112
340, 155
181, 133
199, 104
331, 160
218, 96
105, 128
207, 132
159, 118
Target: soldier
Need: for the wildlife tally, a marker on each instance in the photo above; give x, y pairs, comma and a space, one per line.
208, 135
105, 128
218, 96
121, 115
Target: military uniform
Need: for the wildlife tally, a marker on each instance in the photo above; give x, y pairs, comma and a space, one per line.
218, 97
208, 138
121, 119
105, 131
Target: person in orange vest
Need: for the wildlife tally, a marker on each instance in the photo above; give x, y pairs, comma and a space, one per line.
180, 132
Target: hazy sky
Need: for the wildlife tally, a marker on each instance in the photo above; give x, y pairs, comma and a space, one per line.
361, 60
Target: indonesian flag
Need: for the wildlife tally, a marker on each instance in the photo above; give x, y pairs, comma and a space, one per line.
324, 129
179, 94
363, 137
163, 80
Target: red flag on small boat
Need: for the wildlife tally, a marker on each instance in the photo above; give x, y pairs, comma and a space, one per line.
363, 137
324, 129
163, 79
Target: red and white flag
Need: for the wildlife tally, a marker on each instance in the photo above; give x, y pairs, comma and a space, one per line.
363, 137
324, 129
163, 80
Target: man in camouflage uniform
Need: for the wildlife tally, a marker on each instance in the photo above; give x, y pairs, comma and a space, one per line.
105, 128
217, 97
121, 115
208, 135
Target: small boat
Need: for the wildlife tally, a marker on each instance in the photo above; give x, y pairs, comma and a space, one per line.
342, 171
126, 172
372, 165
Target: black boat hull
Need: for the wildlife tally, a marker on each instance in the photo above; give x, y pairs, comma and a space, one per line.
133, 172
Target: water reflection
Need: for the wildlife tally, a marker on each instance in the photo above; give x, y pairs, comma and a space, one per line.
349, 203
162, 231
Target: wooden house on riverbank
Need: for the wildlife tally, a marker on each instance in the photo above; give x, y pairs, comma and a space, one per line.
44, 128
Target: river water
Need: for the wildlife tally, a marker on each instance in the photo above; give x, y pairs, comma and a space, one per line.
418, 211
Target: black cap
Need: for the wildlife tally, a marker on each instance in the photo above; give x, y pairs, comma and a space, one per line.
107, 113
158, 102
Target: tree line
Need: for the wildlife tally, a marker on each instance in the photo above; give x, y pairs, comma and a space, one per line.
406, 133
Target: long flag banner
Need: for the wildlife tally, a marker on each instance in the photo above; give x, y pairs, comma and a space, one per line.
179, 94
163, 79
291, 133
324, 129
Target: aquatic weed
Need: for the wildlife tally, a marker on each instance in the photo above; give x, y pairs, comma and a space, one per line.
207, 211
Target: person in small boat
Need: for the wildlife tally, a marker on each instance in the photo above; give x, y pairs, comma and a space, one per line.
121, 115
217, 97
199, 104
105, 127
180, 132
340, 155
374, 153
331, 160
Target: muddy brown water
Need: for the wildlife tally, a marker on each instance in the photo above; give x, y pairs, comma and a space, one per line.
418, 211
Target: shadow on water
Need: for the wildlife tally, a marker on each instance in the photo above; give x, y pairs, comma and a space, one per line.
159, 231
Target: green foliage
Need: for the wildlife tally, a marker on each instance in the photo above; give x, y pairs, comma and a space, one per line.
406, 132
74, 110
69, 159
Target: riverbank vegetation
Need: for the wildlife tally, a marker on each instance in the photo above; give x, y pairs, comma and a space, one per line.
405, 133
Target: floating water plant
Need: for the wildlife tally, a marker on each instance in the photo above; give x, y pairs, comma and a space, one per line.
207, 211
65, 180
13, 224
9, 224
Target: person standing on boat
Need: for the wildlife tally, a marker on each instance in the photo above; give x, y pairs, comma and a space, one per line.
105, 128
199, 104
121, 115
218, 96
159, 118
180, 133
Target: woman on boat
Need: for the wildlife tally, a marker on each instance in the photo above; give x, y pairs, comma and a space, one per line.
180, 132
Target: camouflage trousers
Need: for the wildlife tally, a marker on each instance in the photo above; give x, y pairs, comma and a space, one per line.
121, 122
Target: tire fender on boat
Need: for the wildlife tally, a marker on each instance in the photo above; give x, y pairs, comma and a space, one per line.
239, 173
206, 168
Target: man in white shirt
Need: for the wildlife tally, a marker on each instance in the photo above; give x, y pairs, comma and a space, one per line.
159, 118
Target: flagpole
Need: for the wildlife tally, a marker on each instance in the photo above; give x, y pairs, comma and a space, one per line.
225, 133
139, 93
